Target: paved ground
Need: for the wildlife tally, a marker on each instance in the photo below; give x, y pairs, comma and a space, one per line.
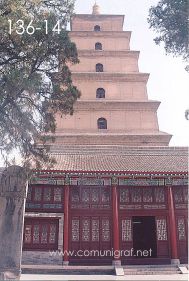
172, 277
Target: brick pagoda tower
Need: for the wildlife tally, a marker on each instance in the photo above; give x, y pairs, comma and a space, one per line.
114, 107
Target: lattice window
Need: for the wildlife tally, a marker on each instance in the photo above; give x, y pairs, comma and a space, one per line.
95, 195
45, 198
178, 195
41, 234
161, 229
126, 230
85, 195
124, 195
105, 230
136, 195
47, 194
27, 234
57, 194
159, 194
37, 194
52, 234
44, 234
147, 195
106, 195
181, 229
75, 195
36, 234
86, 230
75, 230
185, 194
95, 230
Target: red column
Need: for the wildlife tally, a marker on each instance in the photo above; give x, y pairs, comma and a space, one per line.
115, 223
66, 225
172, 226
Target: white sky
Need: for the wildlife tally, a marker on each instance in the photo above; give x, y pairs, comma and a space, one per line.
168, 80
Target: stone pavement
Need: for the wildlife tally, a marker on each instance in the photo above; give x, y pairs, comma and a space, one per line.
172, 277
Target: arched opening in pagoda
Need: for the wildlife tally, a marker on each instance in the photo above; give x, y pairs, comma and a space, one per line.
98, 46
102, 123
97, 28
99, 67
100, 93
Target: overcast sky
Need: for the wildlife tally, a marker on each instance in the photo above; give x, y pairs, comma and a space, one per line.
168, 80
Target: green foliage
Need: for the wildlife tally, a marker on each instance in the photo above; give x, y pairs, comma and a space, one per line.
170, 20
35, 80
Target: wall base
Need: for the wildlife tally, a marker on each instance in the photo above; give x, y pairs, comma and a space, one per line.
175, 261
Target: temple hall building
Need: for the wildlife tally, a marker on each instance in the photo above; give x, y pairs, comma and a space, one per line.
117, 187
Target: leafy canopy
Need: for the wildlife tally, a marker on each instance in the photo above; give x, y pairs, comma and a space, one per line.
170, 20
35, 81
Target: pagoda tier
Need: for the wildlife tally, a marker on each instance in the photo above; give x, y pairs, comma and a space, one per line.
114, 106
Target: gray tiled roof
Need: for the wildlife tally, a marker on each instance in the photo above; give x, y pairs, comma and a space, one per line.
120, 158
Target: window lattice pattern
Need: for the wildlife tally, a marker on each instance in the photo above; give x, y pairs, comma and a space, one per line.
47, 194
52, 234
147, 195
85, 196
178, 195
95, 195
185, 194
105, 230
124, 195
126, 230
37, 194
36, 234
27, 234
44, 234
75, 195
159, 194
75, 230
161, 229
181, 229
106, 195
86, 230
136, 195
95, 230
57, 194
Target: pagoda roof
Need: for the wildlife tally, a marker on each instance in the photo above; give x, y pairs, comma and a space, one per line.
120, 159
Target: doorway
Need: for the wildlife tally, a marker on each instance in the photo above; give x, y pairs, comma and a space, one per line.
144, 237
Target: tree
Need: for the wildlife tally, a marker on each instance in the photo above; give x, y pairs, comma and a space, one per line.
35, 80
170, 20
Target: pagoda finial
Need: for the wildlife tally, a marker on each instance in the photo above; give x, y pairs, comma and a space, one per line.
96, 9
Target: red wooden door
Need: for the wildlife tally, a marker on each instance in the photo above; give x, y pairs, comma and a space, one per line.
90, 237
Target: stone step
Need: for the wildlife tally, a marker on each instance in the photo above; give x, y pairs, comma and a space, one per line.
151, 270
68, 270
151, 273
